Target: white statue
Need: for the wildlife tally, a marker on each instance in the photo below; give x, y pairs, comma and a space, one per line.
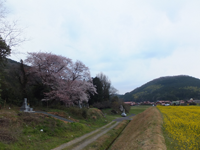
122, 109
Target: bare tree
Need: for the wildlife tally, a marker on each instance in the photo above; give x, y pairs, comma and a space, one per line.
113, 91
9, 30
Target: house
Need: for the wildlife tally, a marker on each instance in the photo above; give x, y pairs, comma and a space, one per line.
197, 101
178, 102
162, 102
175, 103
130, 103
147, 103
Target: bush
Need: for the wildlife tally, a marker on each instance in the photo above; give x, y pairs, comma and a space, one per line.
94, 113
193, 103
116, 107
84, 113
75, 111
102, 105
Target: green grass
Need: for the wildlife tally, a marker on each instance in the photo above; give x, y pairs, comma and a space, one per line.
134, 110
108, 112
138, 109
27, 135
87, 138
26, 128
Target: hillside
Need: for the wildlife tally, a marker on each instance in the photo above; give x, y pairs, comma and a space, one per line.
166, 88
13, 84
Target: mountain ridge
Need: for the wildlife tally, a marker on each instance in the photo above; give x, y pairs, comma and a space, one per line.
166, 88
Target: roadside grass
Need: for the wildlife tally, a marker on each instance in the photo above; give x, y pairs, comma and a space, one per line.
21, 131
106, 140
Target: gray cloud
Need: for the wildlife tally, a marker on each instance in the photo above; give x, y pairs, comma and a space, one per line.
130, 41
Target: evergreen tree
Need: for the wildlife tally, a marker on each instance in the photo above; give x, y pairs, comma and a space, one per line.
4, 50
98, 97
106, 84
0, 93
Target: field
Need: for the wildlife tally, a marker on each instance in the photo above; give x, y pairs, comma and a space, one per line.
138, 109
181, 127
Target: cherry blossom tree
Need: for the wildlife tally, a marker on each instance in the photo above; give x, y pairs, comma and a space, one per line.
68, 81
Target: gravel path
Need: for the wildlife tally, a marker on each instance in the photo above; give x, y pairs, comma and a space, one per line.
124, 118
64, 119
61, 118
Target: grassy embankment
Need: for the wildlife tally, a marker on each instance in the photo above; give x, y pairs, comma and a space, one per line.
105, 141
20, 131
144, 132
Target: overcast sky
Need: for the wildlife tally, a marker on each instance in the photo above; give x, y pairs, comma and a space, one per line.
130, 41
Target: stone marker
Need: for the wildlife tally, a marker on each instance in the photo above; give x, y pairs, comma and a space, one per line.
25, 107
122, 109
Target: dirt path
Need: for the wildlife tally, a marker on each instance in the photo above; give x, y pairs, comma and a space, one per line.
102, 131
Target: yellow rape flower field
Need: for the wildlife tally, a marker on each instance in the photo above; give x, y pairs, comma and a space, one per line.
182, 124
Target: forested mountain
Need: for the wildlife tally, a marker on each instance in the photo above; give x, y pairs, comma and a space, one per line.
166, 88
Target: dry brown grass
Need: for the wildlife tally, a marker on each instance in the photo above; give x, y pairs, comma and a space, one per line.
142, 133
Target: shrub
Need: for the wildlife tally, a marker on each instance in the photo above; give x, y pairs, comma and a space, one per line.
193, 103
84, 113
94, 113
102, 105
116, 106
75, 111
